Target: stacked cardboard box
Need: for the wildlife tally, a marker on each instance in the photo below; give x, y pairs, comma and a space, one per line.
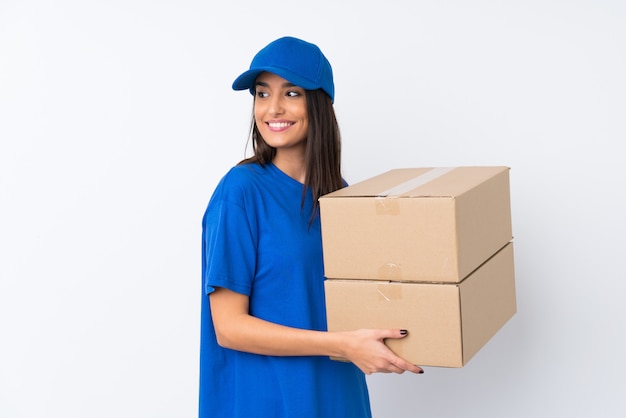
424, 249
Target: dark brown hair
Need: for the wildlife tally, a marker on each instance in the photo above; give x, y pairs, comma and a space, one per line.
323, 148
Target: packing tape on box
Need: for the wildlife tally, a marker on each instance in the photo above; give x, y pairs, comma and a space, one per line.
388, 292
385, 206
415, 182
390, 271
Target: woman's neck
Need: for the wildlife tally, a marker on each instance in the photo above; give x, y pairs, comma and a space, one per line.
292, 165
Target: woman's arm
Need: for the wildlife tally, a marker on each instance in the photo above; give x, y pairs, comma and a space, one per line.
236, 329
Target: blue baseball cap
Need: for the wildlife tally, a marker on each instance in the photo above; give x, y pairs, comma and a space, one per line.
297, 61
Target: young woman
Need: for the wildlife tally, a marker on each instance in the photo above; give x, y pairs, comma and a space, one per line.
264, 345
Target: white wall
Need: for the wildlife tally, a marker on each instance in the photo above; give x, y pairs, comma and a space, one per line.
117, 120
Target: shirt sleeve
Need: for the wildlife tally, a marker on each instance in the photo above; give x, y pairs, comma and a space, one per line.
228, 246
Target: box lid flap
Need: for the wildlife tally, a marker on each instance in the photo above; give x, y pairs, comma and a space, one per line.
420, 182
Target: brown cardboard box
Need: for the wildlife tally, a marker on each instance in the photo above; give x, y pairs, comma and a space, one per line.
448, 323
416, 224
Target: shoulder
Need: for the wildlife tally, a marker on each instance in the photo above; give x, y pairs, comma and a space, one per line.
243, 176
239, 182
244, 173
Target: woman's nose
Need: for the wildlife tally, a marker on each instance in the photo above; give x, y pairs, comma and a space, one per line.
276, 106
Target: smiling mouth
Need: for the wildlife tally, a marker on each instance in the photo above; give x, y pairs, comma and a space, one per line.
279, 125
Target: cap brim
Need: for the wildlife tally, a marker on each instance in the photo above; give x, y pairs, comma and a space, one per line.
247, 79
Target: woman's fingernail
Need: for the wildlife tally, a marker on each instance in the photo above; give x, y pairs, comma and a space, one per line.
403, 332
421, 372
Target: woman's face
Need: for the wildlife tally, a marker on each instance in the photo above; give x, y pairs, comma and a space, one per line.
280, 112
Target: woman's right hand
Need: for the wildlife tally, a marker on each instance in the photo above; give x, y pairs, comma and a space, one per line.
367, 350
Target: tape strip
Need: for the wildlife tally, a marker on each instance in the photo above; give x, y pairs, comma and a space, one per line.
417, 181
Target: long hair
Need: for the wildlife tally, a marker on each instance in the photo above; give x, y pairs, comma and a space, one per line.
323, 149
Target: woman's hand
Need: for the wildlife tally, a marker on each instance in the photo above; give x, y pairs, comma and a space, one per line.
367, 350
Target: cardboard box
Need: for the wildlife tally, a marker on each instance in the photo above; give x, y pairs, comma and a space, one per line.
416, 224
448, 323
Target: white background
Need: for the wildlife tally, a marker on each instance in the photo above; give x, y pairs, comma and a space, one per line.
117, 120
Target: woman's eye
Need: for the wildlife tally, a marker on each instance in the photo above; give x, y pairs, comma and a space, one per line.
261, 94
293, 93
